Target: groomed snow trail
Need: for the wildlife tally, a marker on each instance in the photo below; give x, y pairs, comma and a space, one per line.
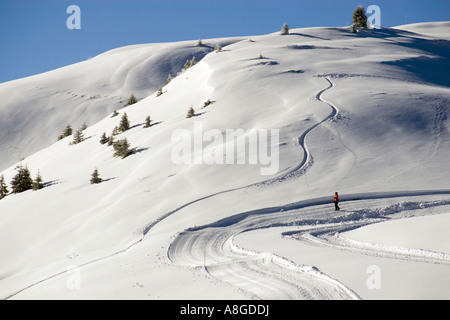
268, 276
263, 275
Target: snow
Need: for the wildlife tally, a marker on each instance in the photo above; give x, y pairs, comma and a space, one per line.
361, 114
85, 92
433, 29
426, 232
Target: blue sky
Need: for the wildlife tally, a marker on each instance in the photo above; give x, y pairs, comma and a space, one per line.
34, 36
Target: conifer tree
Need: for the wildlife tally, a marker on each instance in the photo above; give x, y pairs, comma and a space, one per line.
131, 100
110, 140
169, 78
95, 177
78, 137
359, 17
122, 148
103, 138
147, 122
67, 132
22, 180
37, 183
3, 188
207, 103
124, 123
285, 29
191, 113
190, 63
115, 131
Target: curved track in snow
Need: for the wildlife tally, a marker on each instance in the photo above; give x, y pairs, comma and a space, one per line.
263, 275
302, 166
268, 276
331, 237
306, 162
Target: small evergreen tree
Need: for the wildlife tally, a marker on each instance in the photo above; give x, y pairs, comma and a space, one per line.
285, 29
160, 92
169, 78
67, 132
37, 183
110, 140
207, 103
122, 148
95, 177
22, 180
147, 122
103, 138
191, 113
218, 48
359, 17
114, 114
131, 100
190, 63
78, 137
124, 123
3, 188
115, 131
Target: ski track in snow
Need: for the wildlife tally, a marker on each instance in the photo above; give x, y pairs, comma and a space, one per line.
210, 248
268, 276
307, 162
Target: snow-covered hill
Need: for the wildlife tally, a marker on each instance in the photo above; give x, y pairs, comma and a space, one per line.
324, 109
35, 110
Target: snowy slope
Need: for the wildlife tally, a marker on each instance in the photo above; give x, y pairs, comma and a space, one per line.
434, 29
35, 110
363, 114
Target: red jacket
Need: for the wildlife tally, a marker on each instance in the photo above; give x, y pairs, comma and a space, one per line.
336, 198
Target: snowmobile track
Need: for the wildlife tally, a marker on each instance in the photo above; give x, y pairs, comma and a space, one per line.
268, 276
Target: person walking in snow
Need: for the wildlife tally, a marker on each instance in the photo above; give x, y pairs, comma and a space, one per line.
336, 201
